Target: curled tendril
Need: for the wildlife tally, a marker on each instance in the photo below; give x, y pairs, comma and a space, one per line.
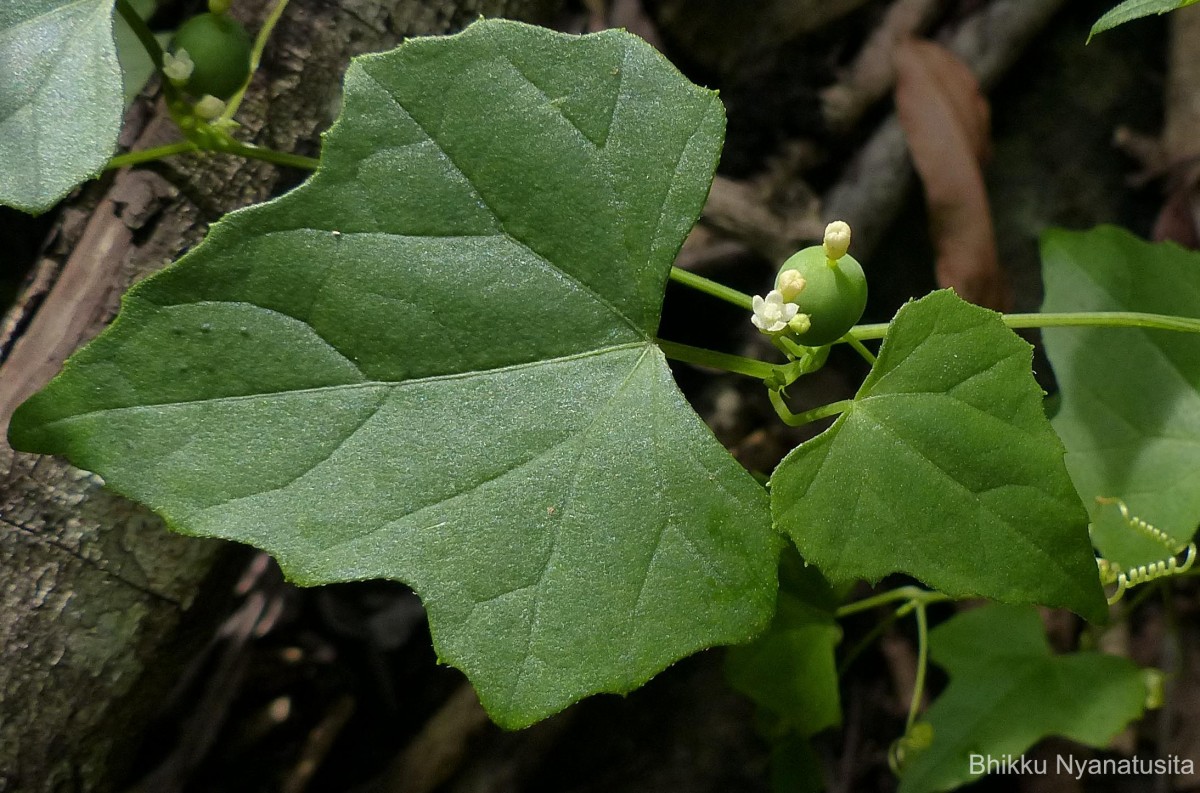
1112, 573
1142, 527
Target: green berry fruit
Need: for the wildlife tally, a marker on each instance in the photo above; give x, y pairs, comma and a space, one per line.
834, 295
220, 51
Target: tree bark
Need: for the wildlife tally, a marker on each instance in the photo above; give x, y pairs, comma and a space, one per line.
94, 593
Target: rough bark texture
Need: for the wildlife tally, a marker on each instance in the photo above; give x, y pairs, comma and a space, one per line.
93, 591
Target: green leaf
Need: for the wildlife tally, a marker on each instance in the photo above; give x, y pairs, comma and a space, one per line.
434, 362
1007, 692
790, 670
136, 65
1135, 9
60, 97
1130, 414
944, 467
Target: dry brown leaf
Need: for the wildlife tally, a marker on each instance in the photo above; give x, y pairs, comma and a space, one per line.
1179, 218
946, 121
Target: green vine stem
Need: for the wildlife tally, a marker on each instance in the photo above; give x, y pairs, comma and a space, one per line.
717, 360
269, 155
140, 29
260, 44
228, 146
709, 287
149, 155
915, 599
910, 594
1080, 319
861, 349
918, 692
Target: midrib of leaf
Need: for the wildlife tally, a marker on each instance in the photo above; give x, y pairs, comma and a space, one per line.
384, 384
515, 468
582, 436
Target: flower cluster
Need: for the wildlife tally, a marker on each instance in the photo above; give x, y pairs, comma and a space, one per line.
776, 312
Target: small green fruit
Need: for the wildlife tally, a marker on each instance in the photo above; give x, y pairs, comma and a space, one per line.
834, 294
220, 49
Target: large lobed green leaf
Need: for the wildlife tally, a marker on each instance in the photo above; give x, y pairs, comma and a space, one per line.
1008, 691
1130, 415
945, 468
60, 97
434, 362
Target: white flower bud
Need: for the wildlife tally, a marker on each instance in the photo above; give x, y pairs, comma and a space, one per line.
791, 284
800, 324
837, 239
178, 68
209, 107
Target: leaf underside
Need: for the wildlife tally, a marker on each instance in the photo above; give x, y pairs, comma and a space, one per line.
1007, 692
1130, 415
60, 98
434, 363
790, 670
944, 468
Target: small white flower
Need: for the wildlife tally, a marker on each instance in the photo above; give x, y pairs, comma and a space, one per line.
209, 107
791, 284
178, 67
837, 239
772, 313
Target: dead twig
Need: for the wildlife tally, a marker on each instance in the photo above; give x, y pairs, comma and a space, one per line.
875, 184
873, 73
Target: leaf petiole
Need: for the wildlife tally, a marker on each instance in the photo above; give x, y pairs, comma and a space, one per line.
710, 287
260, 44
918, 692
228, 146
718, 360
861, 349
911, 594
142, 31
149, 155
808, 416
253, 152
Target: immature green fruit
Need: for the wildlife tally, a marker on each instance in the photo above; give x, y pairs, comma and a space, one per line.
834, 295
219, 49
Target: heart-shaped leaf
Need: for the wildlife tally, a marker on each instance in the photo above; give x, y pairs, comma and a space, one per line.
1007, 691
434, 362
1130, 415
944, 467
60, 97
